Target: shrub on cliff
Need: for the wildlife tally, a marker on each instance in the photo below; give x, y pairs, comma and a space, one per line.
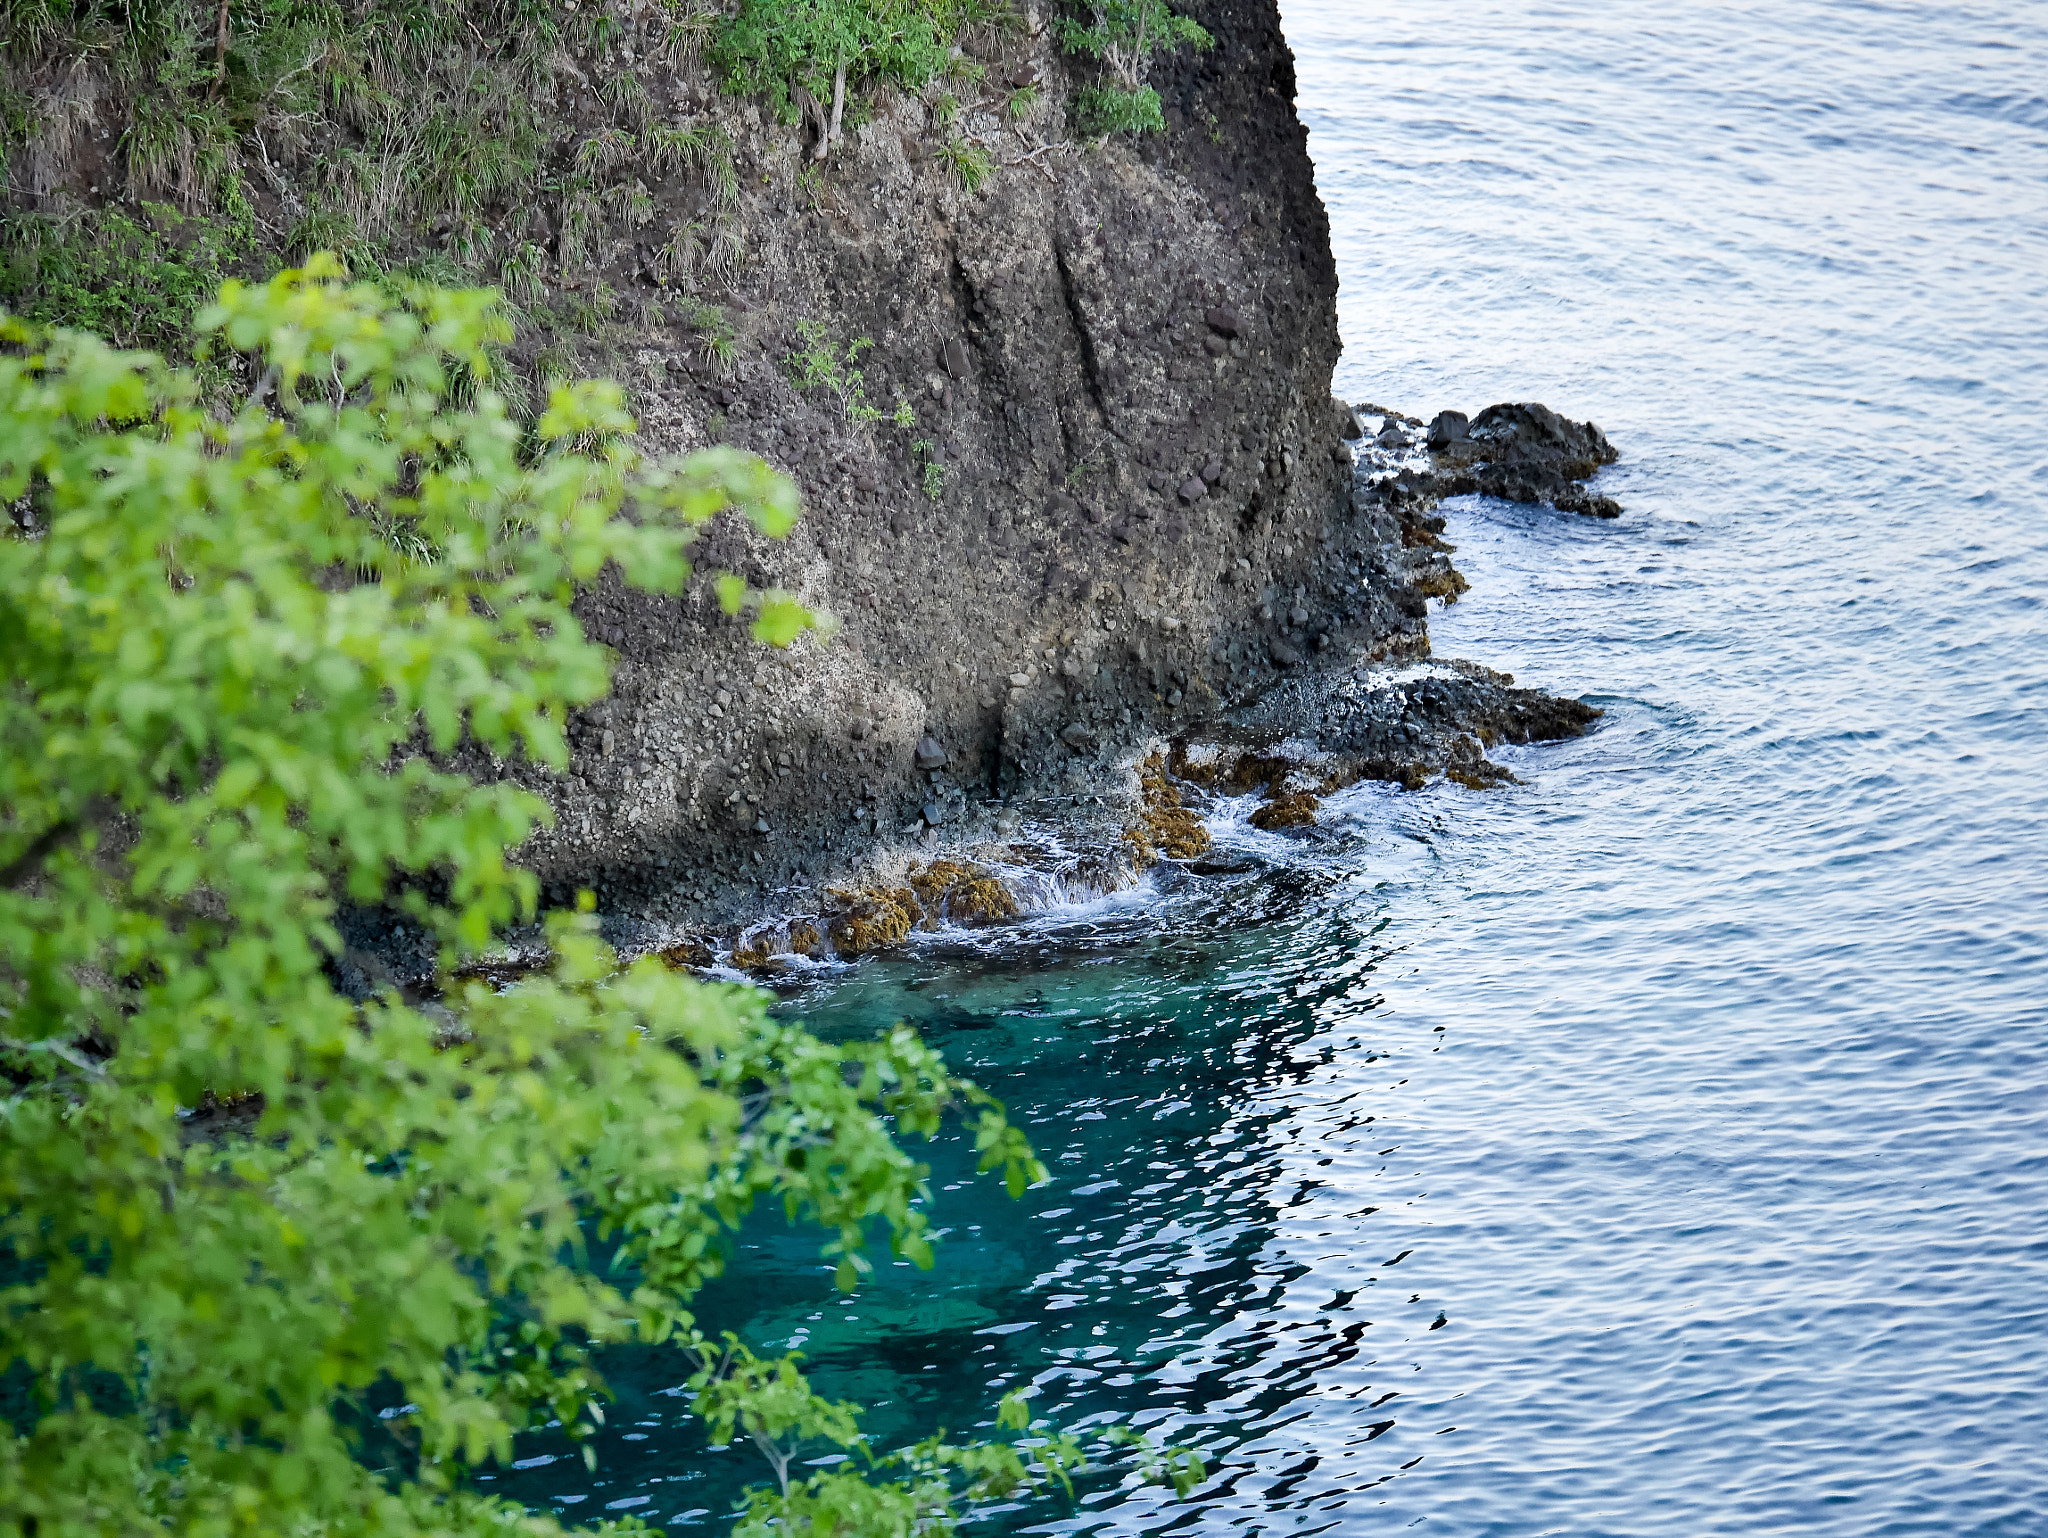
1125, 36
238, 1211
802, 54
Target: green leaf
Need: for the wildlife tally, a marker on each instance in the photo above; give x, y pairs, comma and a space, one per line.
781, 620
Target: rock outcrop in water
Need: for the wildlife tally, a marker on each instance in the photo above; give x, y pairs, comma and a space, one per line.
1518, 452
1406, 725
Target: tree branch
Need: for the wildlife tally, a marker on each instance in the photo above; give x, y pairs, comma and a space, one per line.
24, 865
220, 49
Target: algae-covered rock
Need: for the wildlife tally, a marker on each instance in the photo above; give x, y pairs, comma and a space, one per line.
868, 919
963, 892
758, 950
1289, 809
690, 955
1163, 822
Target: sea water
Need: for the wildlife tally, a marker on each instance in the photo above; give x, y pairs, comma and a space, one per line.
1659, 1146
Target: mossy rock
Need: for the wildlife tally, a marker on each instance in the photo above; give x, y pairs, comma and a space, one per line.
963, 892
1177, 832
1253, 770
871, 918
1445, 582
759, 951
1198, 764
1294, 809
1480, 776
1165, 825
691, 955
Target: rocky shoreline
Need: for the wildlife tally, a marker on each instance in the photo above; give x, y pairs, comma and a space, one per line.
1087, 499
1327, 717
1300, 743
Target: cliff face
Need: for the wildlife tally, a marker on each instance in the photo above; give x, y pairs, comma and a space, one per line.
1125, 500
1059, 409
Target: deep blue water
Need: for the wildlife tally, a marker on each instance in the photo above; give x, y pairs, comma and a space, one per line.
1700, 1085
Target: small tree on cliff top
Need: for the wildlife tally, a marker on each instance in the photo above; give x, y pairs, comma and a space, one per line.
803, 53
1125, 35
230, 648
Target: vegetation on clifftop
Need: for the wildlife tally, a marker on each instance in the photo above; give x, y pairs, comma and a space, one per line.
575, 158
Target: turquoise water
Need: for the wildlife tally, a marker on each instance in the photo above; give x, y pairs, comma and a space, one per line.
1699, 1087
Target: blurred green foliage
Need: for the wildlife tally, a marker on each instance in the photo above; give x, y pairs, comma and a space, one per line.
236, 1205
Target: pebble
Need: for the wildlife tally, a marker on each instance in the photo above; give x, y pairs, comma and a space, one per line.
1075, 735
1193, 487
929, 754
1223, 320
1020, 680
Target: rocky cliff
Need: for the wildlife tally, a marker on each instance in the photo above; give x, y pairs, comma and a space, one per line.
1125, 500
1058, 406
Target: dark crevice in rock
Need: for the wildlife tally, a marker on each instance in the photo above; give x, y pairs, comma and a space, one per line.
1084, 339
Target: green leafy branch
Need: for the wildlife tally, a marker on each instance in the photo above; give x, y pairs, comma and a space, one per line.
219, 675
916, 1489
932, 474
